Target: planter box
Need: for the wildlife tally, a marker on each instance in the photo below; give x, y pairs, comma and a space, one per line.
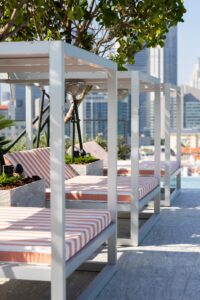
94, 168
31, 194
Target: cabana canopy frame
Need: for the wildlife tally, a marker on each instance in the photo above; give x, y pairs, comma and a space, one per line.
31, 59
135, 82
170, 90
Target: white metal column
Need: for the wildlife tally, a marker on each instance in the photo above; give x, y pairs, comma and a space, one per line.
134, 218
167, 145
112, 160
29, 114
178, 132
81, 118
58, 282
157, 137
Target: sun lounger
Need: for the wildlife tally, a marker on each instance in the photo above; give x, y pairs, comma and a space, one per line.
25, 240
25, 235
146, 167
36, 162
50, 63
91, 191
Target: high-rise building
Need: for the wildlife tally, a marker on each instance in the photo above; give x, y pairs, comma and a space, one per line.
19, 92
191, 115
158, 62
195, 78
170, 57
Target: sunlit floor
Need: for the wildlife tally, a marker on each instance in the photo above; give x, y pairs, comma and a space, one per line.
167, 264
165, 267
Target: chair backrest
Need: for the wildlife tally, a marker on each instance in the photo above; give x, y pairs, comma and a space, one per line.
96, 150
36, 162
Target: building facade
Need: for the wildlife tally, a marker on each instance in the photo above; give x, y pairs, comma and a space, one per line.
191, 108
158, 62
195, 78
19, 95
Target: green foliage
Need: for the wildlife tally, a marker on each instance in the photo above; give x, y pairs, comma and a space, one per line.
101, 141
96, 26
43, 140
80, 160
123, 149
9, 180
21, 145
4, 123
162, 142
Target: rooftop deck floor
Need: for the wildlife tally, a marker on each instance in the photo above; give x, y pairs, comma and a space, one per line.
166, 265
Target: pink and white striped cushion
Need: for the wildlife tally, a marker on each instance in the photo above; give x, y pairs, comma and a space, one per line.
147, 167
95, 188
37, 162
150, 166
25, 234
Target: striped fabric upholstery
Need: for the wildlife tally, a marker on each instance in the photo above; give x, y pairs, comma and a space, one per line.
36, 162
25, 234
146, 167
94, 188
124, 166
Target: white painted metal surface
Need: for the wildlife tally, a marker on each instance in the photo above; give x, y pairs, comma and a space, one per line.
169, 90
57, 96
157, 138
112, 160
167, 145
32, 58
135, 94
29, 114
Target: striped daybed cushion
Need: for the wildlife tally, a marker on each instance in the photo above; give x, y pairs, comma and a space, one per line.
146, 167
36, 162
25, 235
124, 166
94, 188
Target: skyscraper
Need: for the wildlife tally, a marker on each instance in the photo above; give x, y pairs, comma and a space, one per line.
191, 116
170, 57
158, 62
161, 63
195, 78
19, 92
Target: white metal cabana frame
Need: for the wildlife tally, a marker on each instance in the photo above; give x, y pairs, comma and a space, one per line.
141, 82
32, 59
168, 90
135, 82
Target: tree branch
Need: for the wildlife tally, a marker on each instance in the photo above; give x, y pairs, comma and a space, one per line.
4, 31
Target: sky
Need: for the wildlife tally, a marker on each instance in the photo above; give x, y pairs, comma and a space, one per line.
188, 41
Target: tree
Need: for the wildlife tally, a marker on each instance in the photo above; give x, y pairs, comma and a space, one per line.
111, 28
115, 29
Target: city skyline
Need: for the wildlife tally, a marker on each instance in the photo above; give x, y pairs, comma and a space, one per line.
188, 42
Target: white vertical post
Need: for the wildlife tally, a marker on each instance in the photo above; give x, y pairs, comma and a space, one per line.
112, 160
29, 114
134, 214
178, 132
58, 283
157, 136
167, 145
81, 117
